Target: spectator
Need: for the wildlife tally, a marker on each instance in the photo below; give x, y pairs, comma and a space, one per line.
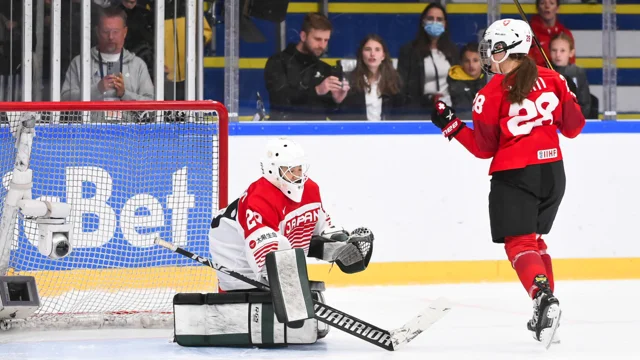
140, 39
545, 25
375, 85
466, 80
424, 63
10, 37
175, 49
562, 49
116, 74
300, 85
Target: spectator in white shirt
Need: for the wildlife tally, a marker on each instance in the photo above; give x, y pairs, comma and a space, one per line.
375, 92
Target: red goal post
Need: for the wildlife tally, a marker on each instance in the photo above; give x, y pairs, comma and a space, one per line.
127, 171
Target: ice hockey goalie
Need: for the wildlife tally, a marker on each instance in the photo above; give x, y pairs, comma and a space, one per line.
266, 235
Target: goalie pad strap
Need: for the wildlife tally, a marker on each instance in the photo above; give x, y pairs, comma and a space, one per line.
287, 273
235, 319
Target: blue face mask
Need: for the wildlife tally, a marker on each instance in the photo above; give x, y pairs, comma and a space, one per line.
434, 29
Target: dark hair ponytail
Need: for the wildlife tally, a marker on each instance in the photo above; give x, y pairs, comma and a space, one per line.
520, 80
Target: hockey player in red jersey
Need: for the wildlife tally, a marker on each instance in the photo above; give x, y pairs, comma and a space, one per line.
280, 210
279, 214
516, 118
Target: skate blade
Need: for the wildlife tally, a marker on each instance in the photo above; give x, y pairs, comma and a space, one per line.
546, 335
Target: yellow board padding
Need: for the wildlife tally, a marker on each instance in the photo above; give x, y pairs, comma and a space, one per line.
596, 63
417, 8
259, 63
180, 279
447, 272
202, 279
630, 116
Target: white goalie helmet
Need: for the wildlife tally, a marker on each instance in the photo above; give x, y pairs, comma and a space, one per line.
508, 36
285, 166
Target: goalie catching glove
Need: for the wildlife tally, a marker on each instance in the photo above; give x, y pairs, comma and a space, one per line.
352, 252
445, 118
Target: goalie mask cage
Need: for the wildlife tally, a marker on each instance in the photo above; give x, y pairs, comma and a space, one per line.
130, 171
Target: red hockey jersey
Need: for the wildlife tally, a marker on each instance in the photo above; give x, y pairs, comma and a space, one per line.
265, 215
517, 135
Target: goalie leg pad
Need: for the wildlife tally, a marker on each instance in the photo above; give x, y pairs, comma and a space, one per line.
289, 281
239, 319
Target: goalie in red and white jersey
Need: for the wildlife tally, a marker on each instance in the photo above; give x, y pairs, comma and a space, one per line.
516, 119
282, 210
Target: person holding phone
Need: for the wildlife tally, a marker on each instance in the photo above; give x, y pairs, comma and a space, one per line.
301, 86
116, 74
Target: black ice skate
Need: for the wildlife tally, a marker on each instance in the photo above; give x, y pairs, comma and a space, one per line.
546, 313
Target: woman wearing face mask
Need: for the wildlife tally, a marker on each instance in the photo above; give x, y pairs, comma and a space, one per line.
375, 85
424, 63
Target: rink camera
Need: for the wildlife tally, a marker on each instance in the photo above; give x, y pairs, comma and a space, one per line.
54, 233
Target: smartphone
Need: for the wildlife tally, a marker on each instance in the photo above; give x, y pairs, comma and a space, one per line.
337, 71
113, 68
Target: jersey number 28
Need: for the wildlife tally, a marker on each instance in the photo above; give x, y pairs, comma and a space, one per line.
536, 113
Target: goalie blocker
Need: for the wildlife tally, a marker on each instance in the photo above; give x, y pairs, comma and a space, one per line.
239, 319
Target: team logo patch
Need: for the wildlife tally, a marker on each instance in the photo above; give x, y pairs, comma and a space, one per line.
506, 22
252, 244
547, 154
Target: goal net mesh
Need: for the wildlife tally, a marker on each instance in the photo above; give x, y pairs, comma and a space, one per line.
130, 172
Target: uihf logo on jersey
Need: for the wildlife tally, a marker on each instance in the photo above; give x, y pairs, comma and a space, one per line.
547, 154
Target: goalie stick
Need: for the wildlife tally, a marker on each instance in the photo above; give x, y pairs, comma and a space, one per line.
388, 340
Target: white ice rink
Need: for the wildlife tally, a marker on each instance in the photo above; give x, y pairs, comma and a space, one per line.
600, 321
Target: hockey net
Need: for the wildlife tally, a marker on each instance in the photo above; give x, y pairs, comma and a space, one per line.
130, 171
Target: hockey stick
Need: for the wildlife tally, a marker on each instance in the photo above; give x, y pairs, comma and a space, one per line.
388, 340
535, 39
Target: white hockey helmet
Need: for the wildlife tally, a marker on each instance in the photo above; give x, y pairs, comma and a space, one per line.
285, 166
508, 36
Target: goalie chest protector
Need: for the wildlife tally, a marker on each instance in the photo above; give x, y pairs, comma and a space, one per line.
235, 319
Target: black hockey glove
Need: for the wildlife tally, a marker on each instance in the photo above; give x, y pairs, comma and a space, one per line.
445, 118
355, 256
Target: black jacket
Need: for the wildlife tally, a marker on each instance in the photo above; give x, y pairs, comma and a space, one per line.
463, 89
412, 73
577, 74
291, 78
354, 106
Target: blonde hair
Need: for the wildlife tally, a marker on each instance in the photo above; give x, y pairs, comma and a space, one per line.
565, 37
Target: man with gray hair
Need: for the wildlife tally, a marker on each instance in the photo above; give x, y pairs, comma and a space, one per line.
116, 74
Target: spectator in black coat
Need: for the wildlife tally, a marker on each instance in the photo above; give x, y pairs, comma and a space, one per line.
424, 63
300, 85
375, 85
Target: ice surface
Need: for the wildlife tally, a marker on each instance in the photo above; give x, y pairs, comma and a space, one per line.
600, 321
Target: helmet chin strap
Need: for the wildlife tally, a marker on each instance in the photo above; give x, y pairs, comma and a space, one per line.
506, 55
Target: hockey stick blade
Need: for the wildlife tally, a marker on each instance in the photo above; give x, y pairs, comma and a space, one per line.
332, 316
436, 311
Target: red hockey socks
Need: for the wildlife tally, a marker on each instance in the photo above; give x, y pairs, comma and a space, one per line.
546, 259
523, 253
